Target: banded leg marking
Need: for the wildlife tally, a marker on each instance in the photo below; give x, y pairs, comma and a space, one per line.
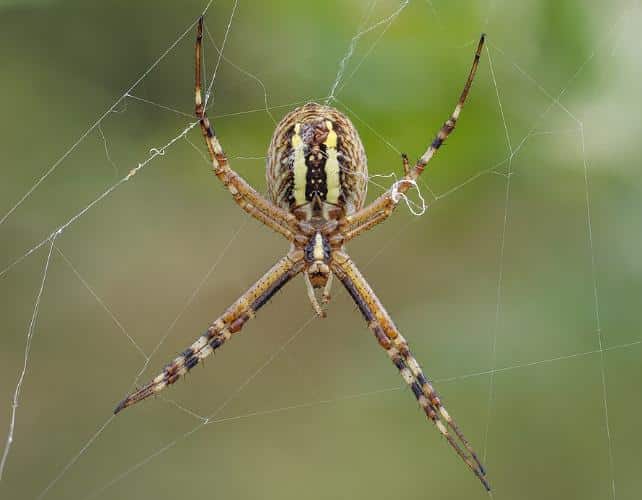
382, 207
449, 125
221, 330
432, 395
397, 349
245, 196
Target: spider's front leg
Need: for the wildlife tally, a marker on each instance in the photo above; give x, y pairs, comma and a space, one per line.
397, 349
381, 208
224, 327
245, 195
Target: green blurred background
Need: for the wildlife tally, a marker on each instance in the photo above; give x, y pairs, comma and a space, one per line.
326, 416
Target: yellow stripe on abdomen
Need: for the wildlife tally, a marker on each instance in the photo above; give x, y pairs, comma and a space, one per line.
333, 180
300, 168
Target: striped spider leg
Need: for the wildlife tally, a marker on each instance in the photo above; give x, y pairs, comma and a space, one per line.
396, 347
221, 330
244, 195
356, 223
317, 179
381, 208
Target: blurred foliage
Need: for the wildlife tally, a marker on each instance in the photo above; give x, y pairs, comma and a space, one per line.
316, 421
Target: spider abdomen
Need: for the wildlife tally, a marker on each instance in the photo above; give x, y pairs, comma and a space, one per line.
316, 156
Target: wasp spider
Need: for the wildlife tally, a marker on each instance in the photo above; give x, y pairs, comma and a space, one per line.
316, 178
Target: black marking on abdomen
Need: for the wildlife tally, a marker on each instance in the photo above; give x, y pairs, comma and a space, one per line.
315, 177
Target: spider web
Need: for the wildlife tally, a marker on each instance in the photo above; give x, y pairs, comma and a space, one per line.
498, 380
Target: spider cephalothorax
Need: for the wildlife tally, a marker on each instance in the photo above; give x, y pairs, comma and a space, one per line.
316, 176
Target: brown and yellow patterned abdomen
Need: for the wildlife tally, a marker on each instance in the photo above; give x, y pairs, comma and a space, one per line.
316, 154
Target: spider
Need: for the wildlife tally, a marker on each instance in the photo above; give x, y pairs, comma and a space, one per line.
316, 177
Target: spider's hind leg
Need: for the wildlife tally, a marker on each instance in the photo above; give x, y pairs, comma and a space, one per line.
397, 349
222, 329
